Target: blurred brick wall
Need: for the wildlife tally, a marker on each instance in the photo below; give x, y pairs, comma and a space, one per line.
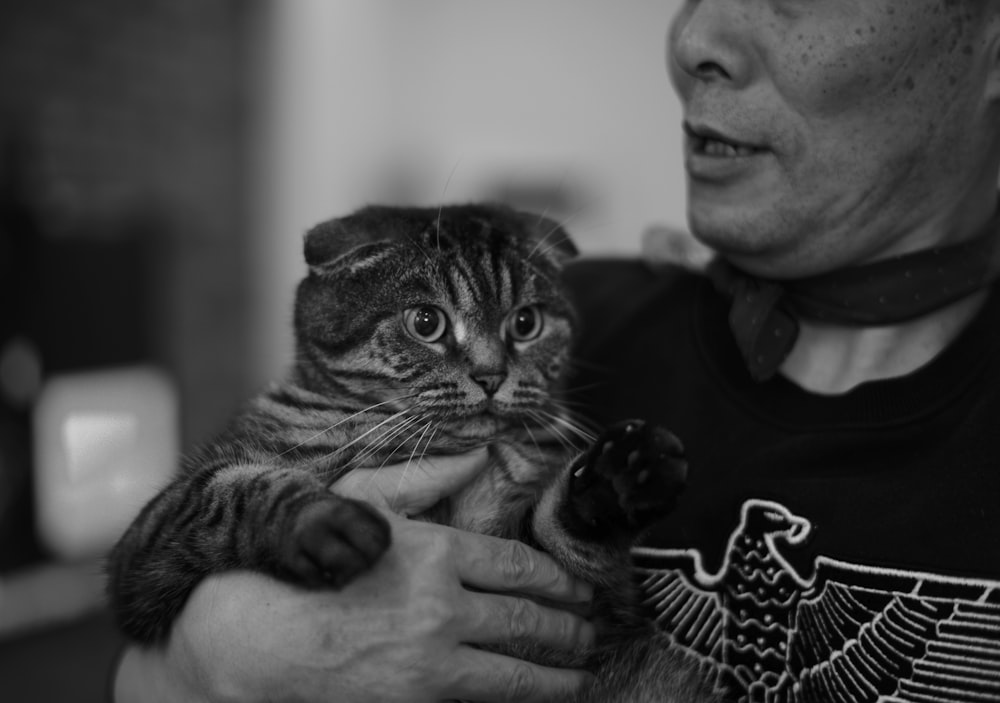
132, 111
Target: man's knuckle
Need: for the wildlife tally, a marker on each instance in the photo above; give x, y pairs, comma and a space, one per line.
578, 631
567, 628
524, 618
519, 564
521, 682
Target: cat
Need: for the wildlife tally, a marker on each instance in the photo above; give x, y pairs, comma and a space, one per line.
420, 331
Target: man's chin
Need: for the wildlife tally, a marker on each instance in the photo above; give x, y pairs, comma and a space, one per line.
727, 230
750, 234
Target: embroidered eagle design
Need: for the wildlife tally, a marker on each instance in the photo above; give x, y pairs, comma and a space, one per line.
848, 634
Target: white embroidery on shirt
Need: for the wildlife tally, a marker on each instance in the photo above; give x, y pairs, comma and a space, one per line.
849, 633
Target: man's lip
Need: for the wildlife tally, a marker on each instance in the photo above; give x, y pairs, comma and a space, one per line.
701, 133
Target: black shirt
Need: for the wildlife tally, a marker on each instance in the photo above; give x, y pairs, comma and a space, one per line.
828, 548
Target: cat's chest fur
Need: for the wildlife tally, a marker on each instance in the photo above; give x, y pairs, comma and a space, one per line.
497, 499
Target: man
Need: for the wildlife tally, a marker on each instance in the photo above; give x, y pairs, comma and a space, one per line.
838, 540
835, 382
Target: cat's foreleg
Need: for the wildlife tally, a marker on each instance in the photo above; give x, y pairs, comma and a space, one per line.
592, 514
282, 522
627, 480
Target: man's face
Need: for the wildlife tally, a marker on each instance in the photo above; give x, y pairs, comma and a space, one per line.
821, 133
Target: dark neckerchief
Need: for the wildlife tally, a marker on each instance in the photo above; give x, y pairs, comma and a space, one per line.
764, 314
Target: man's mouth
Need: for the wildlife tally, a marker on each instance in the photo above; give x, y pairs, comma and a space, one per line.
709, 142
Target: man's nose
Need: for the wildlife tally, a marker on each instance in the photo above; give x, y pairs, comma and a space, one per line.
709, 42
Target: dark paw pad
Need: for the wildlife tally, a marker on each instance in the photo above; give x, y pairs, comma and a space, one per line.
333, 540
630, 478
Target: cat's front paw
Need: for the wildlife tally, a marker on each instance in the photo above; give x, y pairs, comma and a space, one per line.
630, 478
333, 540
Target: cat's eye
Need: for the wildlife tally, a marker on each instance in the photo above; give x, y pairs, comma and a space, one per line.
425, 322
525, 323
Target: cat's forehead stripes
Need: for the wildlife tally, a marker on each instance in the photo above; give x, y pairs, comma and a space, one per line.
482, 264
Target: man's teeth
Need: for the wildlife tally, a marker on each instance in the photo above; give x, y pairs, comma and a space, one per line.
712, 147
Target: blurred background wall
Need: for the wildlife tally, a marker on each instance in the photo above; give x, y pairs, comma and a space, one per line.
126, 123
159, 163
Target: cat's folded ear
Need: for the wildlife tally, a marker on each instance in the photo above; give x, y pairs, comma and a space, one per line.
550, 239
328, 242
323, 243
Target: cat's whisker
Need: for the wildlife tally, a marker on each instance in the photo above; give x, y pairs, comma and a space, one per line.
390, 455
342, 421
531, 435
339, 450
556, 431
409, 462
441, 206
545, 252
578, 419
406, 428
424, 252
568, 219
541, 241
570, 409
572, 431
573, 427
377, 444
567, 222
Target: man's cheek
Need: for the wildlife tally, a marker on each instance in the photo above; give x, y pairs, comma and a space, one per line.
828, 76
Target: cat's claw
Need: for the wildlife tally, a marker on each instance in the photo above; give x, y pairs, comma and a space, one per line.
334, 540
628, 479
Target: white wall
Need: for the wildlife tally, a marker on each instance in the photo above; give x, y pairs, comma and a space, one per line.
433, 100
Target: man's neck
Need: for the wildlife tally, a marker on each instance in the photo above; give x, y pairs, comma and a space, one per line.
830, 359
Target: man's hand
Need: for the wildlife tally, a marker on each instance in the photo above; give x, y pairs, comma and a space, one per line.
400, 632
411, 488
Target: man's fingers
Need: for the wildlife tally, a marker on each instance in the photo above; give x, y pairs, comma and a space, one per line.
413, 487
494, 678
494, 564
499, 618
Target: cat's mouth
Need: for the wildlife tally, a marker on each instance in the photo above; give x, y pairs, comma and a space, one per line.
482, 425
485, 421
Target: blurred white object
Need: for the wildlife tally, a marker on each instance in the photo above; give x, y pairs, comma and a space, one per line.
105, 442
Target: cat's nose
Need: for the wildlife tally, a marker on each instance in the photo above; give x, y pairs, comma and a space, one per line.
489, 382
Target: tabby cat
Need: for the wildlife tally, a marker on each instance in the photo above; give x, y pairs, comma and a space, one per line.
419, 331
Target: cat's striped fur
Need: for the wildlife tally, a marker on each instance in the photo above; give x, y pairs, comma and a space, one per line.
419, 331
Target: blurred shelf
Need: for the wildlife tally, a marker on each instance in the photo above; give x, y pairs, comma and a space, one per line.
70, 662
47, 594
57, 638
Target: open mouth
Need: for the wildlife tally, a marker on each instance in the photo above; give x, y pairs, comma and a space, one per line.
708, 142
